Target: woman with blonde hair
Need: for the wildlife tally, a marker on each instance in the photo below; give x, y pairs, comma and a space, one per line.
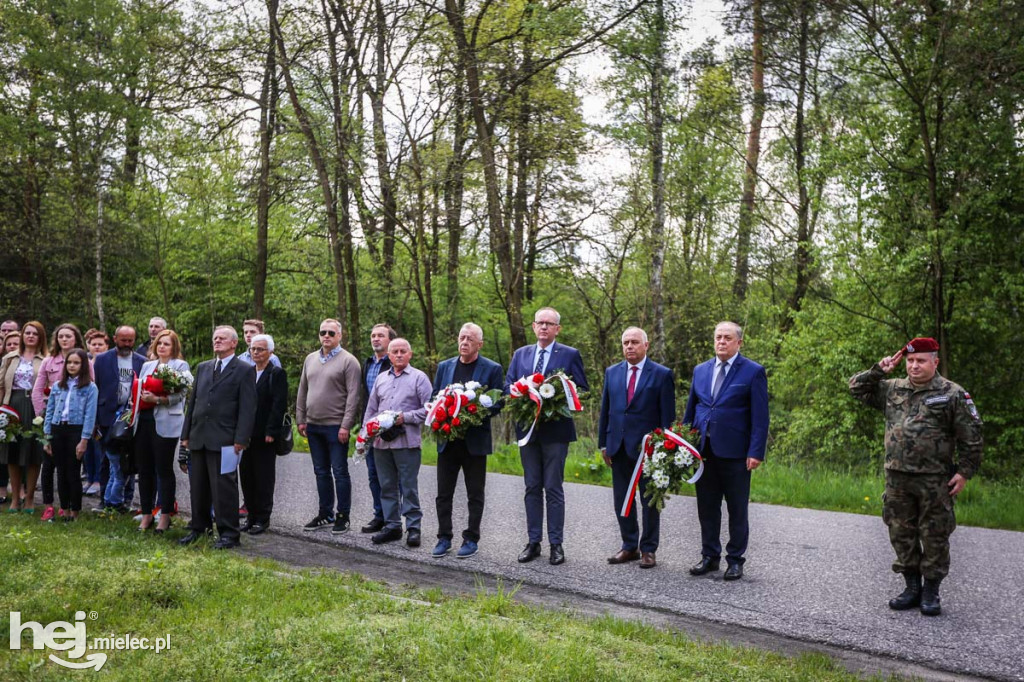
18, 372
161, 414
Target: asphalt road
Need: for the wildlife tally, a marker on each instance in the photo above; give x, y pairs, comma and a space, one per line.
813, 576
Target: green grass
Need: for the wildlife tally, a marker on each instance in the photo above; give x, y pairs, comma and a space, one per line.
982, 503
232, 618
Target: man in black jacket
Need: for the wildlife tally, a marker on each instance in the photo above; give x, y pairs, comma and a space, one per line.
375, 365
221, 414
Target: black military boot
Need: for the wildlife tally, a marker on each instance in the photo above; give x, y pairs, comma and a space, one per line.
911, 596
931, 605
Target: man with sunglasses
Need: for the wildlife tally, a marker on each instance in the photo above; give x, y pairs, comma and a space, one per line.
326, 411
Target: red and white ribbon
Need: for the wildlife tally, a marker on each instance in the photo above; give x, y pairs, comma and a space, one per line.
10, 412
533, 395
634, 481
572, 400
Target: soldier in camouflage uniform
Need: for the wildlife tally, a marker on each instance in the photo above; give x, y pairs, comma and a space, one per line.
928, 419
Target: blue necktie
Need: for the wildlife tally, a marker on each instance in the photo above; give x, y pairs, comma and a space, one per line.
722, 369
540, 361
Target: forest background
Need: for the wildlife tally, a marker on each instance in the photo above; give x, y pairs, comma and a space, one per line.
836, 176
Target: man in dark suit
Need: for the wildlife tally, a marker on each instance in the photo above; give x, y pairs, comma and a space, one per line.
728, 403
113, 372
639, 396
221, 413
544, 456
374, 366
470, 453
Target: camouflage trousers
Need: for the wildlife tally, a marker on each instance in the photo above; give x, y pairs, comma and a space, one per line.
918, 510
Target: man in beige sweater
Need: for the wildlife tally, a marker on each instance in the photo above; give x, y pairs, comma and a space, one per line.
326, 411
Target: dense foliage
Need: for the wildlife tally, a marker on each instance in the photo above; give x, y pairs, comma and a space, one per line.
429, 163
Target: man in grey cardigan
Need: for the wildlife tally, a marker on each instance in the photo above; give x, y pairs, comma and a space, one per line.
326, 411
403, 391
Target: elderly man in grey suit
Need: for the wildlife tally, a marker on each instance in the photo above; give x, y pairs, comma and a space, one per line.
220, 414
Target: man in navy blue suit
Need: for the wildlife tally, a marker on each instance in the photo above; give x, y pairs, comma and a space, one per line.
543, 457
639, 396
728, 403
470, 453
114, 371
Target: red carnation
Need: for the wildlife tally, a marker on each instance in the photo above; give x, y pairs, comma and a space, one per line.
435, 426
449, 400
670, 445
456, 421
452, 412
372, 428
538, 378
446, 428
463, 400
471, 408
658, 431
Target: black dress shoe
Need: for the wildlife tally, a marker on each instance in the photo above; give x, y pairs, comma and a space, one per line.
226, 543
387, 535
245, 526
193, 537
557, 555
373, 526
734, 572
257, 528
530, 552
705, 565
413, 538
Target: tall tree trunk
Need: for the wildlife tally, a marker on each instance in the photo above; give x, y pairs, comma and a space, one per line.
500, 239
268, 121
454, 190
99, 258
657, 137
389, 201
746, 218
323, 176
802, 258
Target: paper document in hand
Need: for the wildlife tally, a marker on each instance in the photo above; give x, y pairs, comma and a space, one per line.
229, 459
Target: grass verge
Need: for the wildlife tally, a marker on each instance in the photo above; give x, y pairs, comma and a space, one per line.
232, 618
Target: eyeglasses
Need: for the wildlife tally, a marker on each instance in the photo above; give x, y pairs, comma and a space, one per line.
328, 332
545, 324
258, 350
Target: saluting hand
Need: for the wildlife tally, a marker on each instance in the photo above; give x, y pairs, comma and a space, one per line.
889, 363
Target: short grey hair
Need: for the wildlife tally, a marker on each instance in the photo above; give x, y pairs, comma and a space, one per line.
739, 329
266, 338
160, 320
229, 328
475, 328
549, 309
399, 339
643, 334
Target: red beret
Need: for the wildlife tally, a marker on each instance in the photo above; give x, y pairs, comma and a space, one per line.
921, 345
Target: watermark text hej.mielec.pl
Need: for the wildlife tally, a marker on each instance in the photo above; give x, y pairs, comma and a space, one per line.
71, 637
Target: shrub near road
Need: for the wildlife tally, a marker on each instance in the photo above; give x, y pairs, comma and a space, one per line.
232, 618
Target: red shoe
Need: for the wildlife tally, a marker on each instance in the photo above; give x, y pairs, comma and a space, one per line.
47, 514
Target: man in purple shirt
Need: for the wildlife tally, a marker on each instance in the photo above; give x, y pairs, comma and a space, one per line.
403, 392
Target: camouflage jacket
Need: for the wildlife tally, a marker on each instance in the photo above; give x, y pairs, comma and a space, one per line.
924, 426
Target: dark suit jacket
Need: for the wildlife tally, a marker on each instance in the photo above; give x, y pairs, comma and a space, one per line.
385, 365
271, 403
488, 373
653, 406
221, 413
108, 382
564, 358
737, 420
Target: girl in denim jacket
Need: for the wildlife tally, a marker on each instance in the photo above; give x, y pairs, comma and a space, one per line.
70, 419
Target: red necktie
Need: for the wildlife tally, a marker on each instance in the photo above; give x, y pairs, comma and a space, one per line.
631, 387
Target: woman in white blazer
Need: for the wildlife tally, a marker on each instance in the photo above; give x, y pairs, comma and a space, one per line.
161, 414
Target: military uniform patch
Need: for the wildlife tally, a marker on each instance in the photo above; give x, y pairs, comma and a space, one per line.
970, 406
937, 400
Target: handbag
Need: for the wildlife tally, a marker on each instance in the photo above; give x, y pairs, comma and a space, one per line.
118, 439
284, 444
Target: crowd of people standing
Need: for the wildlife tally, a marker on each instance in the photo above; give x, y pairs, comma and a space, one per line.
228, 420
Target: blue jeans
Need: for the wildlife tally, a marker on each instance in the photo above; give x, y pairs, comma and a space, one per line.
330, 457
93, 461
114, 494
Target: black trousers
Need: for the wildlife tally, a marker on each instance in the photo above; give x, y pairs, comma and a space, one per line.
730, 479
474, 472
64, 439
258, 474
46, 472
154, 457
629, 527
209, 486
